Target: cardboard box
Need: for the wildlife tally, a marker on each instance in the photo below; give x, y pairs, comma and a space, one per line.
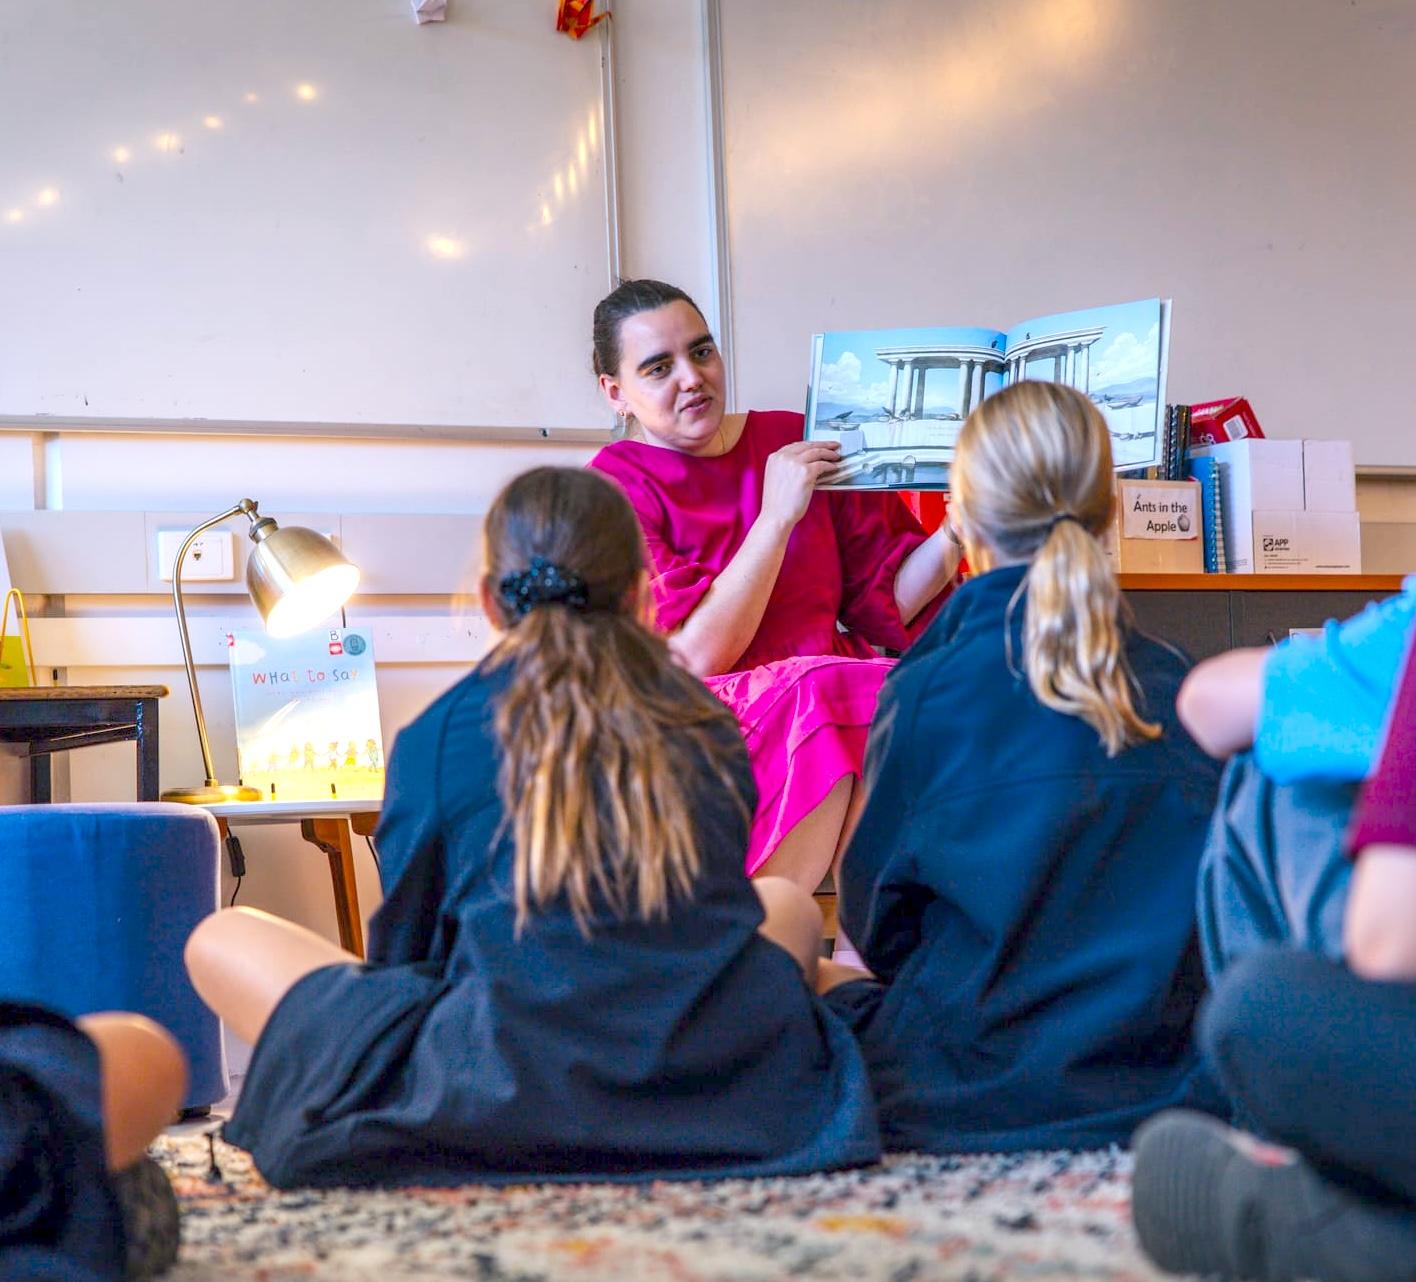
1307, 542
1214, 422
1157, 527
1329, 479
1255, 476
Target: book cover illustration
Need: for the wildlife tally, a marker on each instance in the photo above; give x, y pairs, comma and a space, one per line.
896, 398
307, 715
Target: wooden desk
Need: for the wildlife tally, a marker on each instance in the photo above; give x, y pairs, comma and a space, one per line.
46, 719
328, 825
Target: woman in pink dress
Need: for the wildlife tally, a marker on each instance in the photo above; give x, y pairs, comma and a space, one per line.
771, 592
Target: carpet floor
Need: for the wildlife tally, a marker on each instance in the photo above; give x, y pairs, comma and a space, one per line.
1039, 1217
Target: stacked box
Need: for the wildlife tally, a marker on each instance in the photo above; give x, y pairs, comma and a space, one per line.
1290, 506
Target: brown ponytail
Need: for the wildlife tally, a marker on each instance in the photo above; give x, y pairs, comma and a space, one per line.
601, 733
1032, 481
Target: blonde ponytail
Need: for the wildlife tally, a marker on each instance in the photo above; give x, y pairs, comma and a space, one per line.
1032, 481
602, 736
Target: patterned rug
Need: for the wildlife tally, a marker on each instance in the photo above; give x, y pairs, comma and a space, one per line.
1042, 1217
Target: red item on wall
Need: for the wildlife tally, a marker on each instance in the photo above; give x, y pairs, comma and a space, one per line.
576, 17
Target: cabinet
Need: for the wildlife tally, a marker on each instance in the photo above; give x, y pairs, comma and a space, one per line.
1205, 614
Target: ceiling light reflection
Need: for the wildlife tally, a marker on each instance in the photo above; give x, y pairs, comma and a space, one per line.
306, 92
122, 155
250, 97
47, 196
168, 142
445, 246
213, 122
14, 215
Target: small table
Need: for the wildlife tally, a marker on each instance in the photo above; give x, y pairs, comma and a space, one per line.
48, 719
329, 825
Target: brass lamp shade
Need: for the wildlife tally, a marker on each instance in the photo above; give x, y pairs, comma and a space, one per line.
296, 577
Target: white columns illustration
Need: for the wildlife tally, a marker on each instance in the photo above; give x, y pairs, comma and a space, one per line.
1070, 354
910, 368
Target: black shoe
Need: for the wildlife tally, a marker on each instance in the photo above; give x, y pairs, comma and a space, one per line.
1212, 1200
150, 1221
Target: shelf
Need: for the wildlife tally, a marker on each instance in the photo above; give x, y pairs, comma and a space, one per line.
1260, 582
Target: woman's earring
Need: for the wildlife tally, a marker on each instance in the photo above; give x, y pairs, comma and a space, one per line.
621, 429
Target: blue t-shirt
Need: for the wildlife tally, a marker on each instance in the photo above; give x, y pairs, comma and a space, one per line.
1325, 699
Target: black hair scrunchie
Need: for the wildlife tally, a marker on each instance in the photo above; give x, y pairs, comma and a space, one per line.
542, 583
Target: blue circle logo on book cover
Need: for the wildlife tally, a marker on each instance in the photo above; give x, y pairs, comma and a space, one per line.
355, 644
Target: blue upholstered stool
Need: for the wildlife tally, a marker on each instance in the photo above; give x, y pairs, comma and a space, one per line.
96, 903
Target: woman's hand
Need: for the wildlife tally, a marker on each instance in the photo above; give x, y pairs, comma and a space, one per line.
791, 477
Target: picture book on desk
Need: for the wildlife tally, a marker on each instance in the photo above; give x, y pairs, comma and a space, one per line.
896, 398
307, 715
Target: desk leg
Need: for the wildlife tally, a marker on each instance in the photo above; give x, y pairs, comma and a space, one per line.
146, 737
332, 835
41, 780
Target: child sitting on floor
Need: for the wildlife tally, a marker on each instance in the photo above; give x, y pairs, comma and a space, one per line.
570, 976
79, 1104
1022, 878
1316, 1054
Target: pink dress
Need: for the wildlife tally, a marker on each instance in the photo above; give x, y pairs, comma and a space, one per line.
805, 690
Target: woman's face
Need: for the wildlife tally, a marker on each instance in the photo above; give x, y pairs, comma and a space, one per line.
670, 378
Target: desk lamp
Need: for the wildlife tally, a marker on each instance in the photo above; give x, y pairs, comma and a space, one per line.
296, 578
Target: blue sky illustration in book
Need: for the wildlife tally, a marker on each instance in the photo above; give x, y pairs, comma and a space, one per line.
897, 398
307, 715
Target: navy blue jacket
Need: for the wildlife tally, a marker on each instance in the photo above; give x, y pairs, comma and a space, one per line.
1028, 901
59, 1216
682, 1047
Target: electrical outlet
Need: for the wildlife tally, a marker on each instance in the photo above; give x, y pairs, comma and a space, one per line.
211, 555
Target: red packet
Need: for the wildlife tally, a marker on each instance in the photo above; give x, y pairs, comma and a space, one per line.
1214, 422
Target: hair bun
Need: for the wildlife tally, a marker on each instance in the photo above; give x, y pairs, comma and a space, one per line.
542, 583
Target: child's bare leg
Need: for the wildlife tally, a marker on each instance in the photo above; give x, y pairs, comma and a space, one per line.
842, 950
831, 972
793, 921
143, 1077
243, 961
804, 855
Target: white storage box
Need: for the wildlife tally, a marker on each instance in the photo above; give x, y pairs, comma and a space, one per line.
1258, 475
1307, 542
1329, 479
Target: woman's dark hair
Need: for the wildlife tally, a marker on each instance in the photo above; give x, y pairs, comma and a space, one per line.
629, 299
603, 736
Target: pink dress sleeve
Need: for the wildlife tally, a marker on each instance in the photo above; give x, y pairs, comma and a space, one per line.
876, 532
1387, 812
677, 582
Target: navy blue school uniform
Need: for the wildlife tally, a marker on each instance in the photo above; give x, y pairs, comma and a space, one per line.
59, 1216
683, 1047
1028, 902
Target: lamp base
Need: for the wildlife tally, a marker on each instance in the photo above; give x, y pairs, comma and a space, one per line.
210, 794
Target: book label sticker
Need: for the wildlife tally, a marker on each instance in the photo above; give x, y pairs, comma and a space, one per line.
1160, 512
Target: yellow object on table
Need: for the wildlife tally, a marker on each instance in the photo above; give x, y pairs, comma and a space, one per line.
16, 652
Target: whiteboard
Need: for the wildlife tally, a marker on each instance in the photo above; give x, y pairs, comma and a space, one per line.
962, 162
299, 211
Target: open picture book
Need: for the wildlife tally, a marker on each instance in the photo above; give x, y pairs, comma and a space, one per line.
896, 398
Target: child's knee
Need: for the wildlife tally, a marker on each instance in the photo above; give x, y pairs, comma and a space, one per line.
210, 937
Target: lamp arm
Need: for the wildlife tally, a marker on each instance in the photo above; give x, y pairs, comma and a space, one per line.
246, 507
